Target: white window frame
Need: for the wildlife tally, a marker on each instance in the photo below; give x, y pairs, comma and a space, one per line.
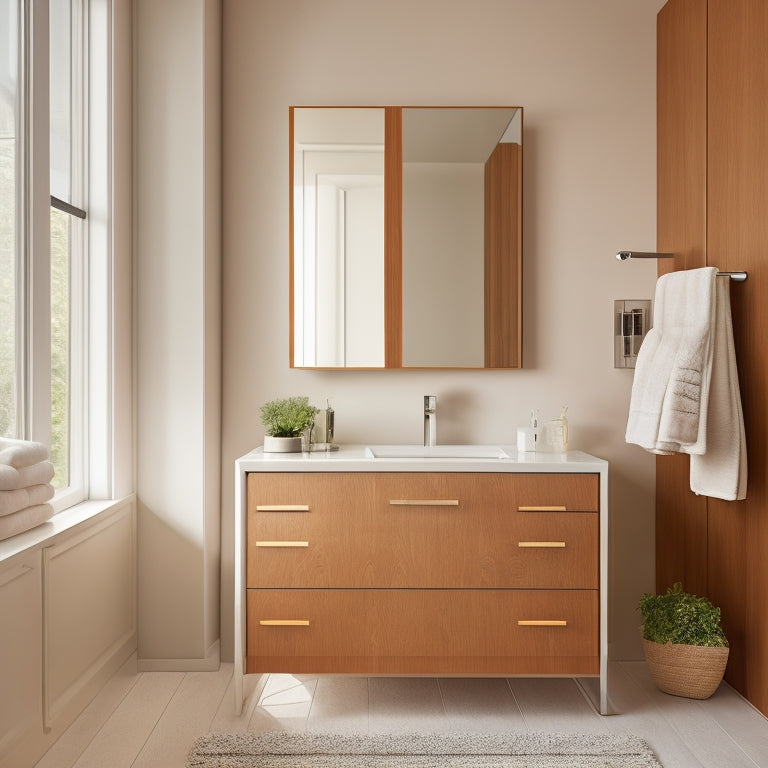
91, 366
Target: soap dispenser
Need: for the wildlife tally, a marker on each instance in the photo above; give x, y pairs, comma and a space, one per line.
329, 423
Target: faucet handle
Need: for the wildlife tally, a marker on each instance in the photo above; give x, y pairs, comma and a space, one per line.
430, 403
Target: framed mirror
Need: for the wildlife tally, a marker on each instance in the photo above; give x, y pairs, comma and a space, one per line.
406, 237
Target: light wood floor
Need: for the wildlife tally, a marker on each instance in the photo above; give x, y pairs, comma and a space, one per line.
151, 719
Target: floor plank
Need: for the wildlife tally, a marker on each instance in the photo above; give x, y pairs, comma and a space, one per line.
189, 714
405, 704
226, 718
696, 725
544, 701
473, 704
121, 738
637, 714
340, 703
66, 751
151, 719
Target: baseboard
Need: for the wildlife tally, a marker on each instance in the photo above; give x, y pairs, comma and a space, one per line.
210, 663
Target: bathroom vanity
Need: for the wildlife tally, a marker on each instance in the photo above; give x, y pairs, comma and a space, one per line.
422, 562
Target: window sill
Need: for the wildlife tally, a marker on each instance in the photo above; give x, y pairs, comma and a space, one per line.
78, 516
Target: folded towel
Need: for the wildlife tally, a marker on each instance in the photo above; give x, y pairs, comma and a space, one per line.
21, 453
24, 519
35, 474
670, 392
13, 501
721, 472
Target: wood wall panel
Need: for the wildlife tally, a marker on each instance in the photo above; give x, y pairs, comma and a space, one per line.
503, 253
712, 212
393, 237
681, 517
737, 237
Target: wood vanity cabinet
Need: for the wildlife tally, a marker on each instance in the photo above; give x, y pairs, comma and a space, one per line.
473, 573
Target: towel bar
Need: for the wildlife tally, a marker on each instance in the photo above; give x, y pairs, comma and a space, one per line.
736, 277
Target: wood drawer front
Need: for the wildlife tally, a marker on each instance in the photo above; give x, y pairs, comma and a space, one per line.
353, 536
477, 542
307, 529
573, 492
423, 632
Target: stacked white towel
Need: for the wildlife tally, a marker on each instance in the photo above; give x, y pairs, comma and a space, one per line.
685, 395
25, 486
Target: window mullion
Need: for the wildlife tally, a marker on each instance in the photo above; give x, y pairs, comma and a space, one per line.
37, 312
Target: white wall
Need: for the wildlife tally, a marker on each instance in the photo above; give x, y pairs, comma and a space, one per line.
177, 204
443, 264
585, 73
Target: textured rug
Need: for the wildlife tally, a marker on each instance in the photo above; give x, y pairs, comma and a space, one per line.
282, 749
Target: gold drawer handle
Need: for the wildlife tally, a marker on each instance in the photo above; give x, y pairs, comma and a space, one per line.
554, 508
542, 544
284, 623
553, 623
282, 507
424, 502
282, 543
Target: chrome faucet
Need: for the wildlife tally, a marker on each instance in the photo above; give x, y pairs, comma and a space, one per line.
430, 420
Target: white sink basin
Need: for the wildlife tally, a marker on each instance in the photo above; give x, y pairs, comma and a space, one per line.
435, 452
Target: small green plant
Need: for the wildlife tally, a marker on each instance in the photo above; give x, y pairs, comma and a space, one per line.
681, 618
287, 417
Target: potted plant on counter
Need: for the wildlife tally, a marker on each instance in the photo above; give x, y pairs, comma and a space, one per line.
286, 420
685, 647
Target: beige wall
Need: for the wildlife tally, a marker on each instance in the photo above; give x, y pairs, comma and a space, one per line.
585, 73
178, 331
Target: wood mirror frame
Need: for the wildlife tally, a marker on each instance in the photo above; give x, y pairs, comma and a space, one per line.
501, 258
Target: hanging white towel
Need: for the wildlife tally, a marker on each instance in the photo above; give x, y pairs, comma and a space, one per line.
685, 395
668, 408
21, 453
721, 472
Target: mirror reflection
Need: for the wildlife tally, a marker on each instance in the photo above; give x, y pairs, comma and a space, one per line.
434, 282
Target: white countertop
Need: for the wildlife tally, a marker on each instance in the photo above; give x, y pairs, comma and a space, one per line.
354, 458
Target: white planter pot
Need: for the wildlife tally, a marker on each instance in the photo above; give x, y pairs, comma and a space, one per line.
282, 444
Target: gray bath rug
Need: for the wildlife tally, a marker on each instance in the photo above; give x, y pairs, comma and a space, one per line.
283, 749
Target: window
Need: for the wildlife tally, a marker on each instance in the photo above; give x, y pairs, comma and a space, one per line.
9, 151
48, 102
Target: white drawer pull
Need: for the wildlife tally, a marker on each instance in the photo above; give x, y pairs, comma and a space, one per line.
282, 507
282, 543
424, 502
545, 623
554, 508
284, 623
542, 544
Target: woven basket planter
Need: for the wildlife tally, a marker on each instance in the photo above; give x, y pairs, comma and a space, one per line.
693, 671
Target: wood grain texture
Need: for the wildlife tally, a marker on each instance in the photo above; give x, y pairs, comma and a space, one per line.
681, 527
393, 237
291, 274
681, 517
737, 235
712, 213
503, 257
424, 632
357, 538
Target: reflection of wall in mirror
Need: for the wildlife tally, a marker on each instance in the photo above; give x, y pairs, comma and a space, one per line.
338, 238
443, 287
364, 270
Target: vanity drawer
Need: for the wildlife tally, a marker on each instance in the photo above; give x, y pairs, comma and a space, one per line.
498, 632
422, 530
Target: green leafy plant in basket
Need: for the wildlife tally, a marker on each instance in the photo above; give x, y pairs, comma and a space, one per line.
685, 646
287, 417
682, 618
